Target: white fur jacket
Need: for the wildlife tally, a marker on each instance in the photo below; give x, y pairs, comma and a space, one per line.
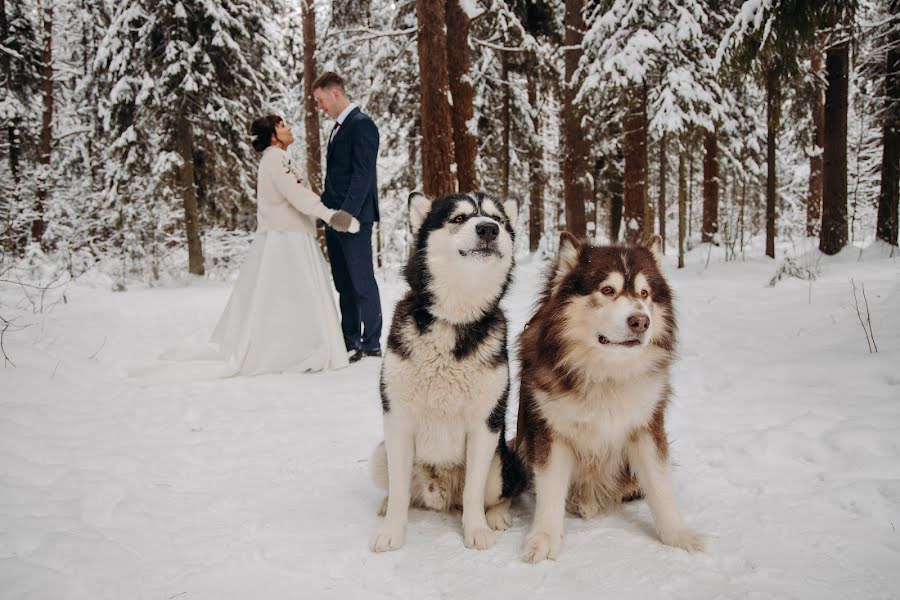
283, 203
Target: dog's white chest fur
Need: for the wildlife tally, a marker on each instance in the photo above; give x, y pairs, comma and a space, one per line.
599, 422
439, 395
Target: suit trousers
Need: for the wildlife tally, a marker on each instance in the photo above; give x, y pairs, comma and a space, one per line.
350, 255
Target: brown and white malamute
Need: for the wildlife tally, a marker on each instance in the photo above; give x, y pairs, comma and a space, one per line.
594, 387
445, 376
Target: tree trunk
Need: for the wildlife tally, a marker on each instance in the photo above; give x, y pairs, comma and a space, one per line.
690, 197
773, 119
506, 126
635, 147
38, 225
12, 140
661, 204
574, 150
310, 114
834, 197
710, 187
536, 174
185, 144
616, 185
888, 199
682, 197
437, 131
814, 200
463, 113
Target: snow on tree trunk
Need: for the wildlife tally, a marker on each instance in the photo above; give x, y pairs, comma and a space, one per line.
462, 115
437, 131
185, 143
834, 198
38, 225
710, 187
574, 142
536, 175
12, 141
505, 126
814, 198
773, 118
310, 114
661, 204
635, 148
888, 198
682, 197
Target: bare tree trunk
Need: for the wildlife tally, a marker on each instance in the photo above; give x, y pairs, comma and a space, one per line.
185, 144
437, 131
310, 114
834, 199
661, 204
814, 200
506, 126
574, 151
38, 225
710, 187
682, 193
635, 147
536, 175
462, 115
690, 198
773, 119
616, 185
888, 198
11, 137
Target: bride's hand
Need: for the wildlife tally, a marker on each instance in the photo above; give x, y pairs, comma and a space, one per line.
344, 222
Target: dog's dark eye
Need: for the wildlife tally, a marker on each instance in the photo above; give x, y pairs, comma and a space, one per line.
458, 219
607, 290
645, 294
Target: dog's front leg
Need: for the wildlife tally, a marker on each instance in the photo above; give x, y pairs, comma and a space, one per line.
551, 486
480, 446
654, 477
399, 444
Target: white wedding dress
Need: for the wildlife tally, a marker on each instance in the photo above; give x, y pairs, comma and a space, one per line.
281, 315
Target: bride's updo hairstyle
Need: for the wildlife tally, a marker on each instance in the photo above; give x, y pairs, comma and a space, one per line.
262, 130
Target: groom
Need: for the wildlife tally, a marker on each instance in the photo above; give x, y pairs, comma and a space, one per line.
350, 185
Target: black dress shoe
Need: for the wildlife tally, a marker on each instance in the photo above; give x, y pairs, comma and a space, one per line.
360, 353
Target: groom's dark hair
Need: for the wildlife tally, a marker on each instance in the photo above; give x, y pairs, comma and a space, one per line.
262, 130
328, 79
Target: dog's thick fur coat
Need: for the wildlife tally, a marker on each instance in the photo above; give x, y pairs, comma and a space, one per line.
445, 377
595, 364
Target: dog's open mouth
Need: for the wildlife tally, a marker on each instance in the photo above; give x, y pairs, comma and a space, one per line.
627, 343
480, 251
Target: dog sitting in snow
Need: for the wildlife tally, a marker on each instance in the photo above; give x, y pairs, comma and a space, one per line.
445, 376
594, 387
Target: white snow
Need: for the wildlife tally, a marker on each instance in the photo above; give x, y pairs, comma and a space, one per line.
784, 434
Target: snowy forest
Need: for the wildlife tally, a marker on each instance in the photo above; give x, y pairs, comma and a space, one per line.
125, 139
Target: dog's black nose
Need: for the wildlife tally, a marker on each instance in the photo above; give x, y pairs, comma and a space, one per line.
638, 322
487, 231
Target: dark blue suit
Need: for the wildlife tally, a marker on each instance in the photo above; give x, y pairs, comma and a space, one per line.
351, 184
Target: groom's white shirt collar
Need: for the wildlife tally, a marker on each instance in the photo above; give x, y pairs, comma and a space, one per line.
345, 112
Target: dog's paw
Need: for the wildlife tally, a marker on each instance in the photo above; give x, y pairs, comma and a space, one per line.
683, 538
388, 538
583, 508
382, 510
540, 545
498, 517
479, 537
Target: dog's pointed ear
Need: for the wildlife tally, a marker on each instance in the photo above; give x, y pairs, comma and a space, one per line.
567, 257
655, 246
419, 206
511, 208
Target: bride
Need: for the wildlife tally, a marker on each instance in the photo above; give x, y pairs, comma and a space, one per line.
281, 314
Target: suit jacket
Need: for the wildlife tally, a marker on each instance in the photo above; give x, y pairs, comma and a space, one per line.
351, 183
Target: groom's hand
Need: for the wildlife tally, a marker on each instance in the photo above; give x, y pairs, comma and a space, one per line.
344, 222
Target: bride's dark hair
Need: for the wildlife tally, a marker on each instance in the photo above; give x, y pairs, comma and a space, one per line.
262, 130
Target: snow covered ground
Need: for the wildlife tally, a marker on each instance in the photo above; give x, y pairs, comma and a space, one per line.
785, 431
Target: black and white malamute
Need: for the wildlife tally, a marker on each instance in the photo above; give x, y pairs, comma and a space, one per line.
445, 376
594, 387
